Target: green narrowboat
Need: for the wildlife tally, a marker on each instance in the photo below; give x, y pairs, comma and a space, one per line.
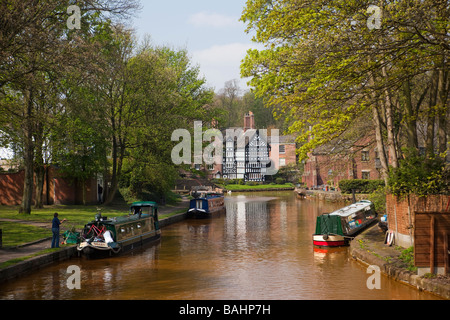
105, 237
337, 228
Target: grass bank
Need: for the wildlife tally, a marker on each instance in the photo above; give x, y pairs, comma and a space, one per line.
244, 187
16, 231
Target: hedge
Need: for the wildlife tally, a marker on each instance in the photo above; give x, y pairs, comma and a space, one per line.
360, 185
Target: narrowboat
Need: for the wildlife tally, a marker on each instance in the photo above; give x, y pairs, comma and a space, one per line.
339, 227
206, 206
103, 236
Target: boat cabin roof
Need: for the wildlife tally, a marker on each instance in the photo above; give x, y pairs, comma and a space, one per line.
144, 204
127, 218
353, 208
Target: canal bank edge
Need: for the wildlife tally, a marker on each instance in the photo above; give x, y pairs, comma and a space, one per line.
363, 249
368, 252
65, 253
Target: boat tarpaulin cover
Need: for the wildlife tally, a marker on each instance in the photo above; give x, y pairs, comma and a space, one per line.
71, 237
329, 224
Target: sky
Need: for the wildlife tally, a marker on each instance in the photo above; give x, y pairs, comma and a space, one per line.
209, 30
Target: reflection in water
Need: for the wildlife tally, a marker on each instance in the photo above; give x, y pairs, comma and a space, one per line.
260, 249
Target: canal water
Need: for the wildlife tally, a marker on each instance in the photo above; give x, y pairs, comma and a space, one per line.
260, 249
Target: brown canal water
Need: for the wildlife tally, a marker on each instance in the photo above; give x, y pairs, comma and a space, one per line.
260, 249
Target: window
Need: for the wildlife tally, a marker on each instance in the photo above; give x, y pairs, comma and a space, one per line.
282, 148
282, 162
365, 174
365, 156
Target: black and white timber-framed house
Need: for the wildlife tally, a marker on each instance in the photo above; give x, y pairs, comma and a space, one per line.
246, 153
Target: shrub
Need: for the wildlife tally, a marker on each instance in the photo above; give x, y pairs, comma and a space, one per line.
360, 185
378, 198
279, 180
419, 175
407, 256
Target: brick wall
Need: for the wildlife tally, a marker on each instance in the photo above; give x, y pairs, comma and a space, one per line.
289, 154
401, 213
326, 169
57, 190
11, 188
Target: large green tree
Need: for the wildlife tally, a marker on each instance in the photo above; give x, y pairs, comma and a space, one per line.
326, 64
37, 50
167, 94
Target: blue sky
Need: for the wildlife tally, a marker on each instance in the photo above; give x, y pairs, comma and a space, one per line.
210, 30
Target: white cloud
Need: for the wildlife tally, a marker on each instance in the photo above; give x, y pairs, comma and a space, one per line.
210, 19
220, 63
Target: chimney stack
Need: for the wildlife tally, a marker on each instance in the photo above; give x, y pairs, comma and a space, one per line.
249, 121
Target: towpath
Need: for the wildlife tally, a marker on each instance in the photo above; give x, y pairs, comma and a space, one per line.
33, 248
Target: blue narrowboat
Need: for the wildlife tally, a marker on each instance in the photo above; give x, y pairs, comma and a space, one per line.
206, 206
105, 236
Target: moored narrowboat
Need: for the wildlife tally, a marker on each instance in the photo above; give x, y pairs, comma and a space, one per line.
339, 227
206, 206
105, 236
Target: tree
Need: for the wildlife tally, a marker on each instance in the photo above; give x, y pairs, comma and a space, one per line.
325, 68
229, 100
37, 49
168, 94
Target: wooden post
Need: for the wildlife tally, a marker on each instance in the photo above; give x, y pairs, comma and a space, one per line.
432, 260
446, 253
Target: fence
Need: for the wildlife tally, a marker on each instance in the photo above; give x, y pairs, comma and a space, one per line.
431, 240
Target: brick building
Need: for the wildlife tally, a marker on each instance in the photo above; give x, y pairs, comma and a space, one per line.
57, 190
330, 163
286, 154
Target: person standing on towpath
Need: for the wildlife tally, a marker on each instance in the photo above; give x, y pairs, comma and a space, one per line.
55, 230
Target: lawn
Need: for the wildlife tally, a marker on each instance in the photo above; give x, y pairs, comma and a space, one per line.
76, 216
15, 233
242, 187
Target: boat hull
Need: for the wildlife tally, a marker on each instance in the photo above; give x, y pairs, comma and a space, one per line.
99, 250
203, 208
339, 227
203, 214
107, 237
321, 240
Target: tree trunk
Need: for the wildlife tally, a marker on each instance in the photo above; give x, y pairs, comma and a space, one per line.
27, 197
378, 135
40, 177
83, 191
39, 169
380, 145
431, 119
392, 149
411, 116
442, 110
